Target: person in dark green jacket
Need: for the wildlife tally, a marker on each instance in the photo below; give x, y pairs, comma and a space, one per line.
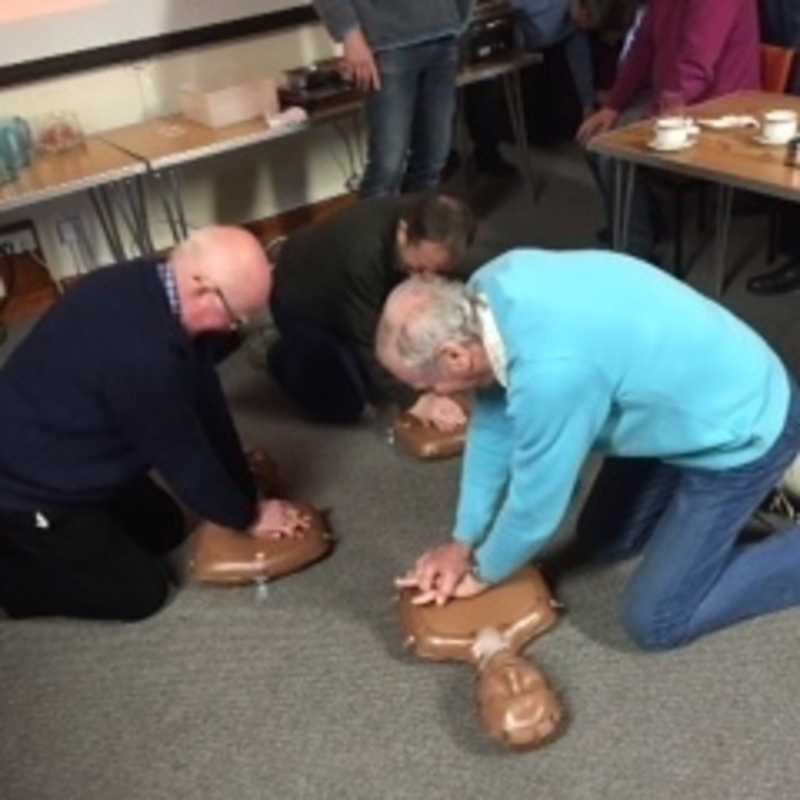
331, 280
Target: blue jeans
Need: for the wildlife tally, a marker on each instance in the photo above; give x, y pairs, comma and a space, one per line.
554, 26
696, 575
410, 118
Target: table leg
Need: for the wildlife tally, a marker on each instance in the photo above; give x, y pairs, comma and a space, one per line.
350, 135
512, 87
168, 185
9, 275
622, 198
177, 194
721, 234
462, 143
141, 212
158, 179
104, 211
134, 211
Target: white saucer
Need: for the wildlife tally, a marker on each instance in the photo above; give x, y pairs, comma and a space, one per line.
672, 148
759, 139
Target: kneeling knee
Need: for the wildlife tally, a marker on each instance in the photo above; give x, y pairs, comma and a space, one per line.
647, 634
142, 602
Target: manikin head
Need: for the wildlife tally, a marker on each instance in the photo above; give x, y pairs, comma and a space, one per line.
433, 234
223, 279
429, 337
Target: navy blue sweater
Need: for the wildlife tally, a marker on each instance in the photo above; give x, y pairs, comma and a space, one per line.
108, 386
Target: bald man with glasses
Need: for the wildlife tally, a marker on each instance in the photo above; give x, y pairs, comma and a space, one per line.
116, 381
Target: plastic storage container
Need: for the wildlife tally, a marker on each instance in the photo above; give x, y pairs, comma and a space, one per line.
230, 104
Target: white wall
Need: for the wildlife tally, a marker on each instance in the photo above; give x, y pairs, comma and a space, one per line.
34, 30
251, 184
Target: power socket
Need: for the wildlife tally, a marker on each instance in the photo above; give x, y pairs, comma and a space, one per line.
19, 238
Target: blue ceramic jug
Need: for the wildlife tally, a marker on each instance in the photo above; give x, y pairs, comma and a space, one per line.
16, 144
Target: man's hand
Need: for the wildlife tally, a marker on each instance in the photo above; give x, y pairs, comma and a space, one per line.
278, 519
599, 122
443, 413
359, 62
468, 586
439, 571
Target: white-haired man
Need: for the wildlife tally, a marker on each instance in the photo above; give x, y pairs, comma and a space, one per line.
575, 352
116, 380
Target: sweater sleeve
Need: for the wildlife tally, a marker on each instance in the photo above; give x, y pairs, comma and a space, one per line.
338, 16
555, 412
706, 28
636, 71
156, 410
486, 466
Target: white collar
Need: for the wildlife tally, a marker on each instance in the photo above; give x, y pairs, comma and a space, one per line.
492, 341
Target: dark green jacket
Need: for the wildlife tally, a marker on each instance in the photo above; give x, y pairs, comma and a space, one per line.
338, 273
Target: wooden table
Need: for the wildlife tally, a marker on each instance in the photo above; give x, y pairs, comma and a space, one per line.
730, 159
112, 178
168, 143
55, 175
105, 172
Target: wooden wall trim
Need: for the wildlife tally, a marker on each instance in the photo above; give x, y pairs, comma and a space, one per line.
58, 66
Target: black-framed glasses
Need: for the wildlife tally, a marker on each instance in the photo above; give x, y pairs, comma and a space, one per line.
238, 321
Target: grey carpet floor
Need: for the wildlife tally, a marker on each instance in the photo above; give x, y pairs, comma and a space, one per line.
310, 695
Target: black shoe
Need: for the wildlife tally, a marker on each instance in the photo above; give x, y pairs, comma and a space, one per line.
492, 163
778, 281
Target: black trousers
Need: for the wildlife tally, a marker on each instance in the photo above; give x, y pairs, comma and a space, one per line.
100, 562
317, 370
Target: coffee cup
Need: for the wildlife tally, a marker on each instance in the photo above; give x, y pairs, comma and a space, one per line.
674, 132
779, 126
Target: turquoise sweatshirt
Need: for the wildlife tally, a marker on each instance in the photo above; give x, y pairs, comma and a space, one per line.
604, 353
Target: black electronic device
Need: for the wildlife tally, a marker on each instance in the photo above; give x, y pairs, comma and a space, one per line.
317, 85
491, 32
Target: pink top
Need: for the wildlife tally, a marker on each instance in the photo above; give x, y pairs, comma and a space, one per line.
690, 50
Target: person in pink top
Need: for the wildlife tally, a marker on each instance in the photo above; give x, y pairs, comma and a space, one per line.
681, 53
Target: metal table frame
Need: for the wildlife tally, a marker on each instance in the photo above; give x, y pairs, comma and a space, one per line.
163, 171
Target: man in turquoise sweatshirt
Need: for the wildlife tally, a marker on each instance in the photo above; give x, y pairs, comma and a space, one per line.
575, 352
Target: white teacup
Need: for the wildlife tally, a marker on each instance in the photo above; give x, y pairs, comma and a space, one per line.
779, 126
673, 132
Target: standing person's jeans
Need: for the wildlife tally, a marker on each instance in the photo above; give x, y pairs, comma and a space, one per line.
410, 118
555, 26
696, 575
